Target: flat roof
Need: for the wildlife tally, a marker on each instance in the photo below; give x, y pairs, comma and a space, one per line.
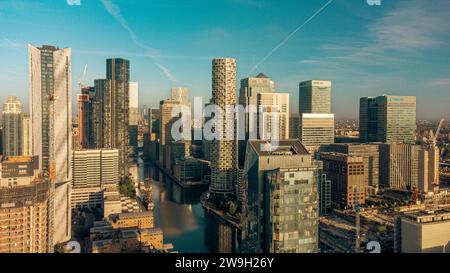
283, 147
429, 216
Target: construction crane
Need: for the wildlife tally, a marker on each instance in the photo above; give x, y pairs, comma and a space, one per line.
434, 136
83, 77
435, 149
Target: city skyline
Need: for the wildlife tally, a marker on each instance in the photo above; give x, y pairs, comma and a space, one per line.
377, 52
287, 142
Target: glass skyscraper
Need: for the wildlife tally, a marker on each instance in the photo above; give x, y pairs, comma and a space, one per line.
51, 134
280, 199
112, 110
390, 119
315, 97
12, 127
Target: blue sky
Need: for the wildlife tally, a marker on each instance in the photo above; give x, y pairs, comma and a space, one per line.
399, 48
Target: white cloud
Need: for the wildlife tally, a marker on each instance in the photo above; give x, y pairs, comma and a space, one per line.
411, 26
150, 52
7, 43
167, 73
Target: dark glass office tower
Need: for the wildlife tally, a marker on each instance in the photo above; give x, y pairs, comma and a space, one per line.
112, 101
390, 119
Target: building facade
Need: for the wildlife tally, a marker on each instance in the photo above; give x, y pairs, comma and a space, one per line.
371, 154
50, 94
348, 182
429, 158
86, 118
390, 119
165, 128
273, 116
316, 130
399, 166
93, 171
294, 126
224, 152
26, 137
12, 127
25, 223
315, 97
423, 231
134, 103
280, 199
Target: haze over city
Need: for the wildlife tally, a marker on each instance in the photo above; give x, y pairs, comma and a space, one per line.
364, 50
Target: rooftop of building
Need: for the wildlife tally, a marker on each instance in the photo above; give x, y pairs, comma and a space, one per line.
262, 76
132, 215
18, 159
136, 233
323, 83
111, 198
341, 157
428, 216
283, 148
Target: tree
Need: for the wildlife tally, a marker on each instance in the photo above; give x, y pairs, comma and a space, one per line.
126, 187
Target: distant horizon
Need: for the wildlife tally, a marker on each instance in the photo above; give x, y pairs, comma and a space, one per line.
363, 50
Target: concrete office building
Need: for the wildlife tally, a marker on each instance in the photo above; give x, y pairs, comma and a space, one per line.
224, 152
316, 130
348, 183
50, 94
248, 95
180, 94
315, 97
12, 127
280, 199
165, 128
24, 207
273, 116
390, 119
371, 155
93, 171
423, 231
265, 107
134, 103
399, 166
429, 169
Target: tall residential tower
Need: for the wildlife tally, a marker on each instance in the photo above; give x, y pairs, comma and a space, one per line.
223, 152
51, 134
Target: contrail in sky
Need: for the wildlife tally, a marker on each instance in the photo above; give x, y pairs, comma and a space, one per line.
289, 37
152, 53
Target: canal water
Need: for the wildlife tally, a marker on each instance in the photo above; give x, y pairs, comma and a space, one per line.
177, 211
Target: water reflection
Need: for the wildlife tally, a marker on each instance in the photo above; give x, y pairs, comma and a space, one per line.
177, 211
